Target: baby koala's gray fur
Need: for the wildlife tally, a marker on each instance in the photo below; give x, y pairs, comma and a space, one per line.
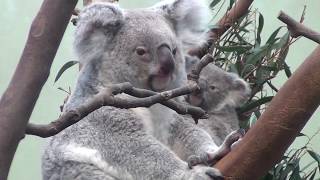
144, 47
221, 93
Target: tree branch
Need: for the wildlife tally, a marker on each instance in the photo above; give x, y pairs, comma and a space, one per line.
239, 9
17, 102
298, 29
142, 98
278, 126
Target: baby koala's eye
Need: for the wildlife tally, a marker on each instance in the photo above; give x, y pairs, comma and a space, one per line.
141, 50
212, 87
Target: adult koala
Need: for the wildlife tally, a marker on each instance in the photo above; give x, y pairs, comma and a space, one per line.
143, 47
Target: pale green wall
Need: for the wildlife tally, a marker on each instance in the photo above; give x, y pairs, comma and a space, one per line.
15, 19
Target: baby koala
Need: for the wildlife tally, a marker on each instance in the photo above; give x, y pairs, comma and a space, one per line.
220, 94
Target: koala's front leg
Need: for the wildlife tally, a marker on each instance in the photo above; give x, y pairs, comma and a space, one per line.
210, 158
82, 171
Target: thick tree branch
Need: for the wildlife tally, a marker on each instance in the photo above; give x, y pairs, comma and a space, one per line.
240, 9
17, 102
278, 126
141, 98
298, 29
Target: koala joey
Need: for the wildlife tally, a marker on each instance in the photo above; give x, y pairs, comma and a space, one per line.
146, 48
220, 94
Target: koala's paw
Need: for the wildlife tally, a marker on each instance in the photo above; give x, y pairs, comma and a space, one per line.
204, 159
203, 173
211, 158
233, 139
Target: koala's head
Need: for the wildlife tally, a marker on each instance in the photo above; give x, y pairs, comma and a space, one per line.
219, 89
145, 46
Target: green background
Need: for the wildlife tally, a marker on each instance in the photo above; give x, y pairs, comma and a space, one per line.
16, 17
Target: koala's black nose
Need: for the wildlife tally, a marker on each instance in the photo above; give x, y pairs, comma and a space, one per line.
166, 60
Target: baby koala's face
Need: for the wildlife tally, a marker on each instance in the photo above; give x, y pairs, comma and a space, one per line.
218, 89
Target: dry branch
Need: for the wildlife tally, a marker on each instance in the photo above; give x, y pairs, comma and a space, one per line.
265, 143
298, 29
240, 9
142, 98
17, 102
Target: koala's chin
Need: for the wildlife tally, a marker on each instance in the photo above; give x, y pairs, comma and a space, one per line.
160, 82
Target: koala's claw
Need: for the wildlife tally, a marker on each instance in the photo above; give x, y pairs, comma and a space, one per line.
204, 173
194, 160
233, 138
214, 175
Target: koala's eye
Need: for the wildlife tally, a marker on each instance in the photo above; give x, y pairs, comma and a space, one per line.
212, 87
141, 51
174, 52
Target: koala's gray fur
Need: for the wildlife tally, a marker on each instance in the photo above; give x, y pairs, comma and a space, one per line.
143, 47
221, 93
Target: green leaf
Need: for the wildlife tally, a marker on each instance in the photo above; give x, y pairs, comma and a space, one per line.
308, 165
295, 174
273, 36
214, 3
253, 120
269, 176
257, 54
231, 4
237, 48
254, 103
283, 41
234, 68
260, 27
311, 174
287, 70
291, 166
64, 68
315, 156
300, 134
262, 74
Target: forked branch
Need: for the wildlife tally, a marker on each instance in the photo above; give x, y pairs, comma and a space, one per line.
141, 98
298, 29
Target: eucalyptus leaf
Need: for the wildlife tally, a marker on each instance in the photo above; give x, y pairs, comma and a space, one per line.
237, 48
231, 4
311, 174
254, 103
257, 55
64, 68
214, 3
315, 156
287, 70
273, 36
260, 27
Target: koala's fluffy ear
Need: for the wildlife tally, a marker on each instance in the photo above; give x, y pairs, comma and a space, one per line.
189, 17
97, 24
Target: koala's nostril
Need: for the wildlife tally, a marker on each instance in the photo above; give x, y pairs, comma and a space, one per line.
166, 60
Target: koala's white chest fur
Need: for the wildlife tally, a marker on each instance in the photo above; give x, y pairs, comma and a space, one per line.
146, 117
157, 120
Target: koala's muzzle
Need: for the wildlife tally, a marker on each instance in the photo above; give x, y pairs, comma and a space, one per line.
166, 60
161, 76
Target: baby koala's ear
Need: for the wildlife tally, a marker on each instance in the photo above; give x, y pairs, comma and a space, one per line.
189, 17
191, 61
